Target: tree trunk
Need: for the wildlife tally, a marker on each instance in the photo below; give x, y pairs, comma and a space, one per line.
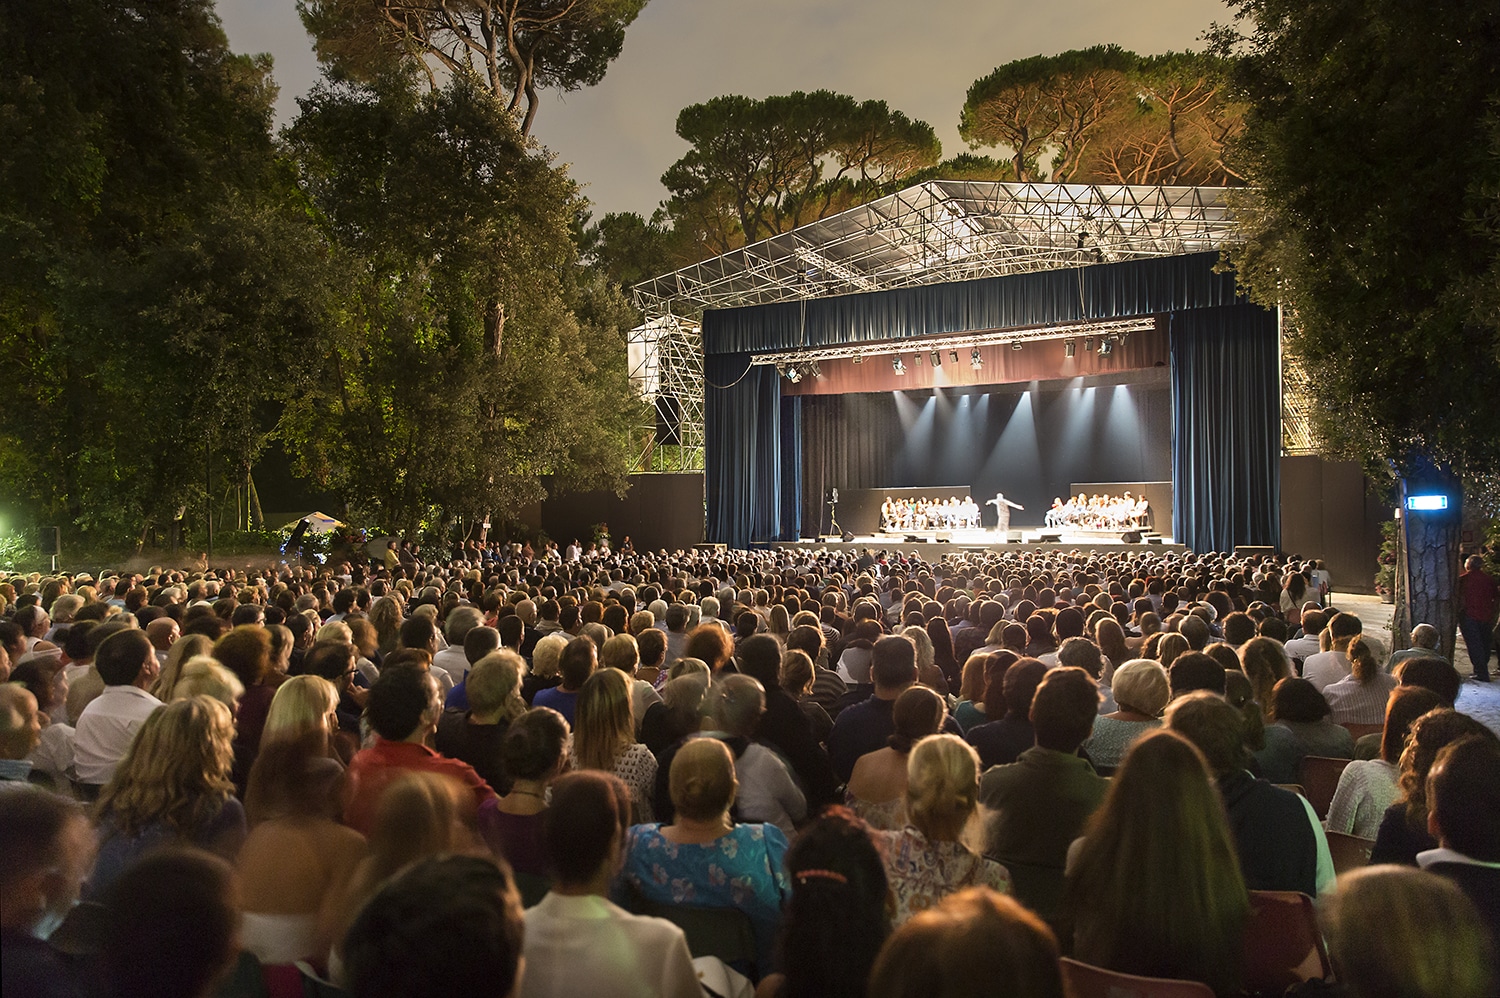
1430, 548
257, 515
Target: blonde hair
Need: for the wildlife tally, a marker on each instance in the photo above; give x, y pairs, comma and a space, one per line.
495, 683
1141, 684
187, 647
176, 771
942, 786
387, 613
548, 652
702, 781
301, 704
622, 653
926, 654
336, 630
204, 675
603, 726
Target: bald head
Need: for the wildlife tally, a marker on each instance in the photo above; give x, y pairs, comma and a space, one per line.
1424, 636
20, 725
162, 632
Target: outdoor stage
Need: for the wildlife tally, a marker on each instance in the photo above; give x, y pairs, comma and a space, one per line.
932, 545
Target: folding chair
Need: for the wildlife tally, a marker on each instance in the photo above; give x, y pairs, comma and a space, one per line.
1082, 980
722, 932
1282, 943
1350, 852
1320, 775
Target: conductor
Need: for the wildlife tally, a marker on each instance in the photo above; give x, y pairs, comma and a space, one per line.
1003, 506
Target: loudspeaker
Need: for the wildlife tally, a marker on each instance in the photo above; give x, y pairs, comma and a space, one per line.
668, 420
50, 540
849, 537
1049, 538
1131, 537
299, 532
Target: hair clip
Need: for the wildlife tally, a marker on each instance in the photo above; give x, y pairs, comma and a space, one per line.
803, 875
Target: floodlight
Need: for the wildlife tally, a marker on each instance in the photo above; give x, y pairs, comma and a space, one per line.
975, 360
937, 358
897, 365
1070, 347
1106, 347
1426, 503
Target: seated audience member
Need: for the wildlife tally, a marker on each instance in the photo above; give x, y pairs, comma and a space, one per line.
577, 662
1361, 698
544, 662
970, 711
46, 680
303, 704
1138, 908
704, 857
1424, 644
1277, 836
1195, 670
973, 944
474, 735
20, 733
1328, 667
46, 852
108, 725
172, 926
1300, 727
480, 642
1463, 814
1264, 662
836, 919
445, 926
711, 645
246, 652
864, 727
784, 727
1141, 692
403, 710
877, 790
796, 678
604, 738
1040, 802
577, 941
1312, 623
1392, 930
297, 861
1368, 786
1403, 829
535, 752
1435, 674
680, 712
1009, 690
173, 786
452, 659
928, 859
827, 688
651, 646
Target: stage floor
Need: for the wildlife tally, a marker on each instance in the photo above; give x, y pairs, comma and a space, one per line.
933, 545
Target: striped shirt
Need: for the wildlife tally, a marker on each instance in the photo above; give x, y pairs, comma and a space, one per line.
1354, 702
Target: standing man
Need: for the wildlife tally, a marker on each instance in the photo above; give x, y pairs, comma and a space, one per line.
1003, 506
1477, 602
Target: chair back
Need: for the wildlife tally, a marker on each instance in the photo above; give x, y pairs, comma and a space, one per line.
1360, 730
1295, 788
722, 932
1320, 775
1282, 943
1350, 852
1039, 888
1082, 980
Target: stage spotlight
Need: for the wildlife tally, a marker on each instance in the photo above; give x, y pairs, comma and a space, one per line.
975, 360
859, 358
937, 358
815, 370
793, 374
1088, 343
953, 356
918, 359
1015, 344
1069, 348
897, 365
1106, 347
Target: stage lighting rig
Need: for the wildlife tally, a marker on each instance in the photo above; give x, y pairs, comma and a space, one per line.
898, 365
937, 358
953, 356
1070, 348
793, 374
1106, 347
975, 360
1015, 344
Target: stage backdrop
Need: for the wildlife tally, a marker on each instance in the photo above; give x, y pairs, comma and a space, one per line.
1030, 442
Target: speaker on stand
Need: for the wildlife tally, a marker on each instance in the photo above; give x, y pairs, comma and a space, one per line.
833, 512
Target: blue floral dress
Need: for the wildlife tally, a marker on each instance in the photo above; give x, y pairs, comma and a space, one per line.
743, 869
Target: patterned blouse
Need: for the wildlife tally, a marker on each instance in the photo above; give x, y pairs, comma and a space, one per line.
922, 872
889, 815
743, 869
1366, 788
636, 766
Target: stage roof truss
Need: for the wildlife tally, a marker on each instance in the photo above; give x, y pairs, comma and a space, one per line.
948, 230
1117, 329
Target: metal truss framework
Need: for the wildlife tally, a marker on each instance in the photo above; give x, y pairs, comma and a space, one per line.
1297, 435
950, 230
666, 368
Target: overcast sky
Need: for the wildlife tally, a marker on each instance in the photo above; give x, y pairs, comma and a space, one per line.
919, 57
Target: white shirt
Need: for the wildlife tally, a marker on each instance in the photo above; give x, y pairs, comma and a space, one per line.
588, 946
452, 661
106, 728
1304, 647
1325, 668
767, 791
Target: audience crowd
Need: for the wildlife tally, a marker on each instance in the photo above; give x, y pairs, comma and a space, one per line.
778, 772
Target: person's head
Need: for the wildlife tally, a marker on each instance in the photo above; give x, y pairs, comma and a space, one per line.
1081, 653
546, 655
1195, 670
294, 777
1264, 662
621, 654
1298, 701
942, 786
20, 721
963, 945
711, 644
917, 713
738, 703
494, 685
583, 833
536, 745
333, 660
162, 633
1238, 628
578, 661
202, 675
1064, 709
603, 723
796, 676
1430, 941
480, 641
126, 658
1406, 704
1170, 648
1430, 734
835, 920
246, 652
1141, 685
1196, 630
1432, 673
171, 925
1463, 798
47, 849
760, 657
1019, 686
176, 771
301, 704
701, 781
1212, 724
447, 925
1362, 662
404, 704
1425, 636
893, 666
1144, 909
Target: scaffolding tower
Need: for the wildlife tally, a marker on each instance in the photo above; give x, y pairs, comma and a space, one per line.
666, 368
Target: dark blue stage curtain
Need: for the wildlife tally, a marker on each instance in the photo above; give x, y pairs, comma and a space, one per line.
742, 430
1114, 290
791, 468
1226, 428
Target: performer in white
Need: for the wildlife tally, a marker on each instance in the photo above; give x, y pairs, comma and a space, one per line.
1003, 506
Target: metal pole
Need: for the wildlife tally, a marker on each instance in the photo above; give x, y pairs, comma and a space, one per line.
208, 465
